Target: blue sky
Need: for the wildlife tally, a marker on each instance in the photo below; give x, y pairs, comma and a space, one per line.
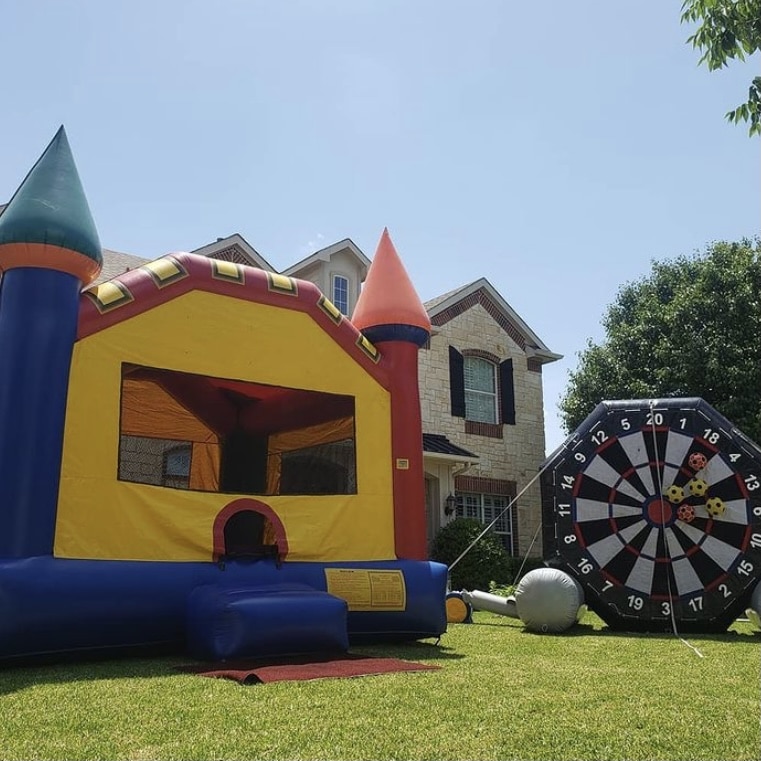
554, 148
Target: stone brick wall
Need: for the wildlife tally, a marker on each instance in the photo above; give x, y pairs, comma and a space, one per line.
518, 455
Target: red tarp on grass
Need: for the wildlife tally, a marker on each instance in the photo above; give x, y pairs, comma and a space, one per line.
297, 668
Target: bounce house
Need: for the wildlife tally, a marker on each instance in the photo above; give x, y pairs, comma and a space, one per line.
199, 454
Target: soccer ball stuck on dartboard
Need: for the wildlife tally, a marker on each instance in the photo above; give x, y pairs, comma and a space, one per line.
698, 487
715, 507
674, 494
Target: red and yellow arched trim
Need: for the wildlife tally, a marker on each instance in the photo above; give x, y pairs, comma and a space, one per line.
241, 505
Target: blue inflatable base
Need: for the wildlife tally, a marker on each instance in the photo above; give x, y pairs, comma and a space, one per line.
51, 607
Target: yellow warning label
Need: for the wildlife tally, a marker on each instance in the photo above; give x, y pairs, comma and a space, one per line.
368, 590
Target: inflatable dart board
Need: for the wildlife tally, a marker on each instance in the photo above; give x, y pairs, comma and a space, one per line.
655, 507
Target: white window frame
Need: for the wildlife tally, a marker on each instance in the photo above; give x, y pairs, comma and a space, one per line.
473, 395
485, 508
334, 281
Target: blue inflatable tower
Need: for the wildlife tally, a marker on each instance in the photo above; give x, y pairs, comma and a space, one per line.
49, 249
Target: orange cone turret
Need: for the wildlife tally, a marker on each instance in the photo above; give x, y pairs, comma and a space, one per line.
389, 307
390, 314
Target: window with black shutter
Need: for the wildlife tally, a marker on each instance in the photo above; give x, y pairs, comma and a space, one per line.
456, 382
475, 385
507, 391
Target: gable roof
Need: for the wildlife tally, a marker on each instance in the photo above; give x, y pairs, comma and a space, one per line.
324, 255
235, 248
444, 308
436, 300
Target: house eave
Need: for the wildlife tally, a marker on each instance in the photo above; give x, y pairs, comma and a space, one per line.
325, 254
450, 458
535, 347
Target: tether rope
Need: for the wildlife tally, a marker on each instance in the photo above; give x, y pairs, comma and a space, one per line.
506, 509
665, 539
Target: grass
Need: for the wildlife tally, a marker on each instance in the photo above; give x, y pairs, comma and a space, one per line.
502, 693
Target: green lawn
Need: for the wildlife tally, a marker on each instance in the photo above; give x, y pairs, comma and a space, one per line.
501, 693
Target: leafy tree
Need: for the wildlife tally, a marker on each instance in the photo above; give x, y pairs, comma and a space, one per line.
728, 29
690, 328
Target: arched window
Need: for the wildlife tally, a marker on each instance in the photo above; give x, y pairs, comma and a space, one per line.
481, 390
480, 376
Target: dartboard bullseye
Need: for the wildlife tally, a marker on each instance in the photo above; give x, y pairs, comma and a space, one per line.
655, 507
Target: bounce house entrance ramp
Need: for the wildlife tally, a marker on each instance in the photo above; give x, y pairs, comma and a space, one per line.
276, 620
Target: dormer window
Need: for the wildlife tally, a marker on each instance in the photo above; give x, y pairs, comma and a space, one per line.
340, 295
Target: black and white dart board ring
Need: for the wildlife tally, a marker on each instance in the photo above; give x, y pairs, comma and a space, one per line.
655, 507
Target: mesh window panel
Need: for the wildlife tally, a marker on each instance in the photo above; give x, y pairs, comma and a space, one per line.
322, 469
158, 462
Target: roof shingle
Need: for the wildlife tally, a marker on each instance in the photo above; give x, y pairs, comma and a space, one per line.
435, 442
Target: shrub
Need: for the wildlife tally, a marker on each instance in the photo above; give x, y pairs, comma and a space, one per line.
486, 562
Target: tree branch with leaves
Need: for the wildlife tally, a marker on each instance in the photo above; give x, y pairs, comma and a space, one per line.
728, 30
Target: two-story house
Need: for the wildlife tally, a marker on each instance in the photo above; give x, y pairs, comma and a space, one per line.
483, 414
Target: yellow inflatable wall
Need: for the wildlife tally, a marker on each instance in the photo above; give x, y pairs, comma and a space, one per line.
104, 515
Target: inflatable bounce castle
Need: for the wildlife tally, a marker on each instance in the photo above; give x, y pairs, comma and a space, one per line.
200, 454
